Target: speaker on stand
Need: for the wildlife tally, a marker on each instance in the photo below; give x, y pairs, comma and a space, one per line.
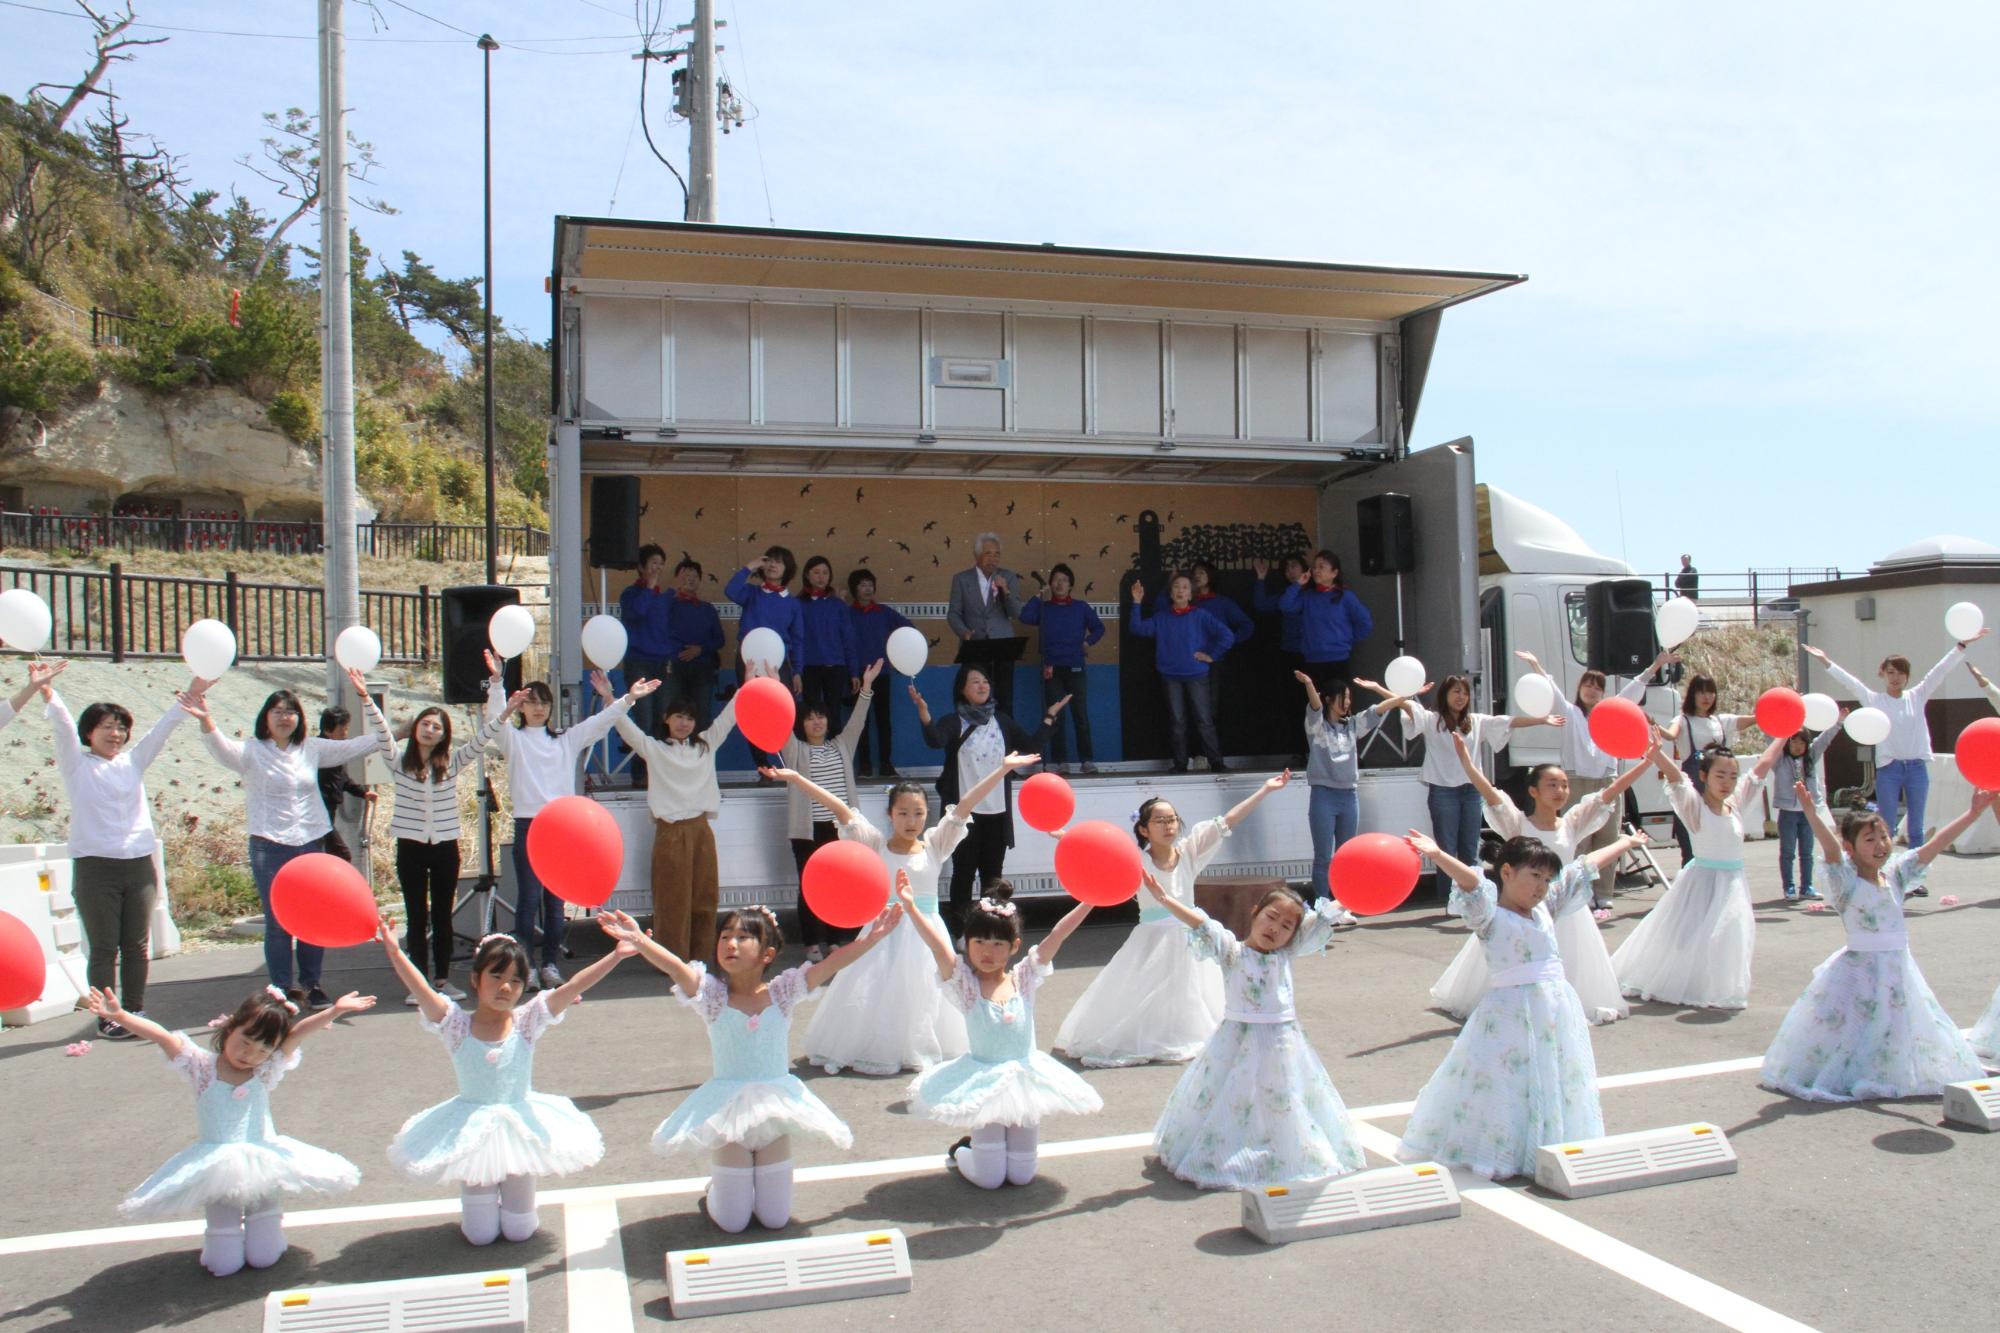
1618, 620
1388, 543
466, 611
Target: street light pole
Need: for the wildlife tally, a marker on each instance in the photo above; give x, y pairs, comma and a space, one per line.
487, 47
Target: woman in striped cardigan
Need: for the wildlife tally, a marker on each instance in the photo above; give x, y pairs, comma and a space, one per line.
425, 824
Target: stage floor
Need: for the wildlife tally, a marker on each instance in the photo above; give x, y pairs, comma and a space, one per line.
1857, 1218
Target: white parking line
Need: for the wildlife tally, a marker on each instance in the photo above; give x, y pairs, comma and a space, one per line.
600, 1299
1725, 1307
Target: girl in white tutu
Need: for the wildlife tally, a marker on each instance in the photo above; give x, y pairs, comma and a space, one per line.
748, 1111
1694, 947
240, 1165
1001, 1089
885, 1013
1867, 1024
1586, 962
498, 1134
1256, 1107
1520, 1073
1156, 1000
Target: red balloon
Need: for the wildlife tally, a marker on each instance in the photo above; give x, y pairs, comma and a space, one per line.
1098, 863
1977, 753
1373, 872
324, 900
1780, 712
764, 713
846, 884
576, 850
23, 969
1045, 802
1620, 728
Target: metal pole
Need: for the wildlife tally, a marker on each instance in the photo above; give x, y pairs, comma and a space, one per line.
343, 594
701, 114
487, 47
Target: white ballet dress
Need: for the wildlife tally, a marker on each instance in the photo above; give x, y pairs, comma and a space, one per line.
1986, 1032
1002, 1079
1521, 1073
883, 1013
498, 1125
239, 1158
1157, 999
1586, 962
1256, 1107
1694, 947
1867, 1024
753, 1099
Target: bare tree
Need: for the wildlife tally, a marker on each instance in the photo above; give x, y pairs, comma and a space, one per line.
291, 163
111, 44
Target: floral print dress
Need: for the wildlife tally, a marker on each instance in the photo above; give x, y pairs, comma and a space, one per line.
1521, 1073
1256, 1107
1867, 1024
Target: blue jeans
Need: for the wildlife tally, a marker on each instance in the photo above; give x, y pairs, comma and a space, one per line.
1455, 820
1334, 814
1794, 835
1909, 780
1075, 682
267, 858
535, 908
1189, 694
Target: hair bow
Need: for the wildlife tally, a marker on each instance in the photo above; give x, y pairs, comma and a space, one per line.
279, 996
997, 907
484, 940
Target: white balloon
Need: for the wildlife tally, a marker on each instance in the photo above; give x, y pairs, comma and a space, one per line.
209, 648
1405, 675
1676, 621
604, 642
358, 648
25, 622
1964, 620
1821, 711
1868, 726
511, 630
909, 650
763, 647
1534, 696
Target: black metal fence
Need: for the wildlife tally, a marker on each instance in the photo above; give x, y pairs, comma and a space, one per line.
49, 530
109, 613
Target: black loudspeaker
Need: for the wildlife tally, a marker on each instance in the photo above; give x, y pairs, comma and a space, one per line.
466, 611
614, 522
1388, 543
1618, 616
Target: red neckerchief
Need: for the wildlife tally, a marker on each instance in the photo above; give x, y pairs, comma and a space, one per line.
815, 594
680, 596
1061, 601
868, 608
1203, 596
778, 588
1180, 610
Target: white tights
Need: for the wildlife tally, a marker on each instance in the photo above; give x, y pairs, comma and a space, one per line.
255, 1235
743, 1184
487, 1212
1000, 1155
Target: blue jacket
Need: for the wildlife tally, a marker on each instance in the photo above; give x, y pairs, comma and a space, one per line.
1289, 624
1180, 637
1222, 608
762, 607
644, 613
829, 628
693, 621
1330, 623
1068, 627
872, 629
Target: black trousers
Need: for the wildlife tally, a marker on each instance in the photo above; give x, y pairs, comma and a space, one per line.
983, 853
812, 930
428, 872
878, 722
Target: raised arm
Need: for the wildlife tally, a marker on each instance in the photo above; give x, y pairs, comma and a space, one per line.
1768, 760
1838, 672
1011, 764
1456, 870
1933, 678
1982, 801
354, 1002
842, 812
857, 720
1829, 841
1312, 692
1992, 690
1390, 702
567, 994
1242, 809
936, 940
625, 930
39, 675
104, 1003
598, 725
225, 751
1191, 917
1045, 952
1669, 770
430, 1004
1611, 852
1488, 793
818, 974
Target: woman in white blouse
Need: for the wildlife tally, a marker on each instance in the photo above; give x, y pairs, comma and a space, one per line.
280, 766
1698, 729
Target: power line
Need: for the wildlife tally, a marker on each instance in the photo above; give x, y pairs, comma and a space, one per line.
412, 9
646, 63
310, 37
756, 137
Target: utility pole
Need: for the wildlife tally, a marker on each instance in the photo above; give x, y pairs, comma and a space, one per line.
343, 592
701, 114
487, 46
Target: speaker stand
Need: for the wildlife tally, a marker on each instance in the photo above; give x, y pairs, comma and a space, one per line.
1401, 745
482, 887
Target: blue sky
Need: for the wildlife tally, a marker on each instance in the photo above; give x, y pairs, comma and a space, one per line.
1758, 237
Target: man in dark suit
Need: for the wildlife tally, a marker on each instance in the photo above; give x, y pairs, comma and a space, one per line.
1688, 582
983, 606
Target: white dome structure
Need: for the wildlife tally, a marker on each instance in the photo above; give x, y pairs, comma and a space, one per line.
1941, 550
